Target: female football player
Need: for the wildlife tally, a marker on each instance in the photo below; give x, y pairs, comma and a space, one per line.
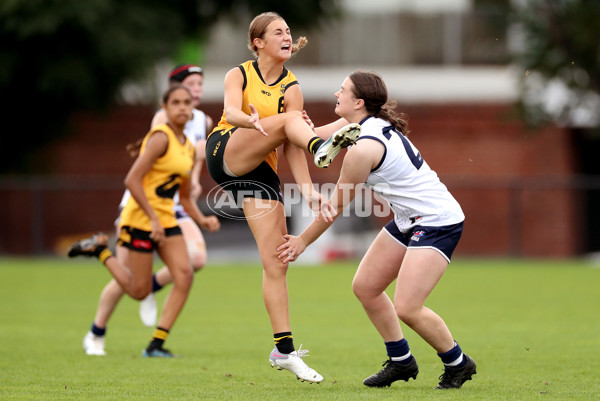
414, 248
191, 76
148, 221
263, 108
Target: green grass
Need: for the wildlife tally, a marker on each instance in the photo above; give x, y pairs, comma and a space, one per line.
532, 326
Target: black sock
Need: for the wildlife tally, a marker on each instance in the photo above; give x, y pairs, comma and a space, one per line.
158, 339
314, 144
102, 253
98, 331
284, 342
155, 285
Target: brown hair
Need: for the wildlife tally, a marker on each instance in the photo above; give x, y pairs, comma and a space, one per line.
369, 87
134, 148
258, 28
172, 88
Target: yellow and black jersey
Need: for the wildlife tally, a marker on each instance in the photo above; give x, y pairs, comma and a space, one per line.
161, 182
268, 99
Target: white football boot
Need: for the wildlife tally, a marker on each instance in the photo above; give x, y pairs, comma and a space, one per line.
93, 345
148, 310
341, 139
294, 363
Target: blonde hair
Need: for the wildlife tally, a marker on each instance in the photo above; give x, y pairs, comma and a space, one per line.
258, 28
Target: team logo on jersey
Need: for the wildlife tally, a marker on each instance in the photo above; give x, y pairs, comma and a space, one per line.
413, 220
417, 235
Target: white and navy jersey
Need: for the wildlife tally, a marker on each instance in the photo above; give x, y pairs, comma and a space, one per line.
195, 131
195, 128
412, 189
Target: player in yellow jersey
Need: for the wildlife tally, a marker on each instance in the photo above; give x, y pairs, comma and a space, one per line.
263, 109
196, 129
148, 221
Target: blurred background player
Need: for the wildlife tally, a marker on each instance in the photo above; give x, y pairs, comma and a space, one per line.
263, 108
192, 76
148, 221
414, 248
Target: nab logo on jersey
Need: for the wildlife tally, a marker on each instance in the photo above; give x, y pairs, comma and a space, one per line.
264, 92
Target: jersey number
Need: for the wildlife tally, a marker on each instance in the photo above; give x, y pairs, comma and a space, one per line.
415, 159
168, 189
280, 107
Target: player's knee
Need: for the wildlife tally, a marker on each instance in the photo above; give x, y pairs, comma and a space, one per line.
405, 312
275, 270
197, 254
140, 292
291, 117
198, 260
294, 114
361, 290
357, 288
183, 278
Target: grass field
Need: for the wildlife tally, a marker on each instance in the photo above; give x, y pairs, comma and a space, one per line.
532, 326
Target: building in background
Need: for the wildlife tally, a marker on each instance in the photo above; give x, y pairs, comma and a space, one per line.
446, 65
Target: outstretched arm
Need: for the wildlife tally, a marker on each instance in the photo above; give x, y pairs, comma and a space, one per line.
294, 101
325, 131
359, 161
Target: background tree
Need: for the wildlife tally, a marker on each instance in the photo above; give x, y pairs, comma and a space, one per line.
61, 56
557, 47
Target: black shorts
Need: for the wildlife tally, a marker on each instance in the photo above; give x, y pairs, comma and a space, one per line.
139, 240
260, 183
443, 239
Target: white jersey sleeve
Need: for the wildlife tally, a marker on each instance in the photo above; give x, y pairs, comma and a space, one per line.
412, 189
195, 128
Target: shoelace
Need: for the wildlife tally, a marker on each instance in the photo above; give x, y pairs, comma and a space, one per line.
302, 352
447, 378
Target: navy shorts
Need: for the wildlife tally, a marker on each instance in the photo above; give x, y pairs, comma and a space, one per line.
260, 183
443, 239
139, 240
181, 214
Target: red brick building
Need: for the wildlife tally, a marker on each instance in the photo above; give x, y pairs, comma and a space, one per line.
510, 181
